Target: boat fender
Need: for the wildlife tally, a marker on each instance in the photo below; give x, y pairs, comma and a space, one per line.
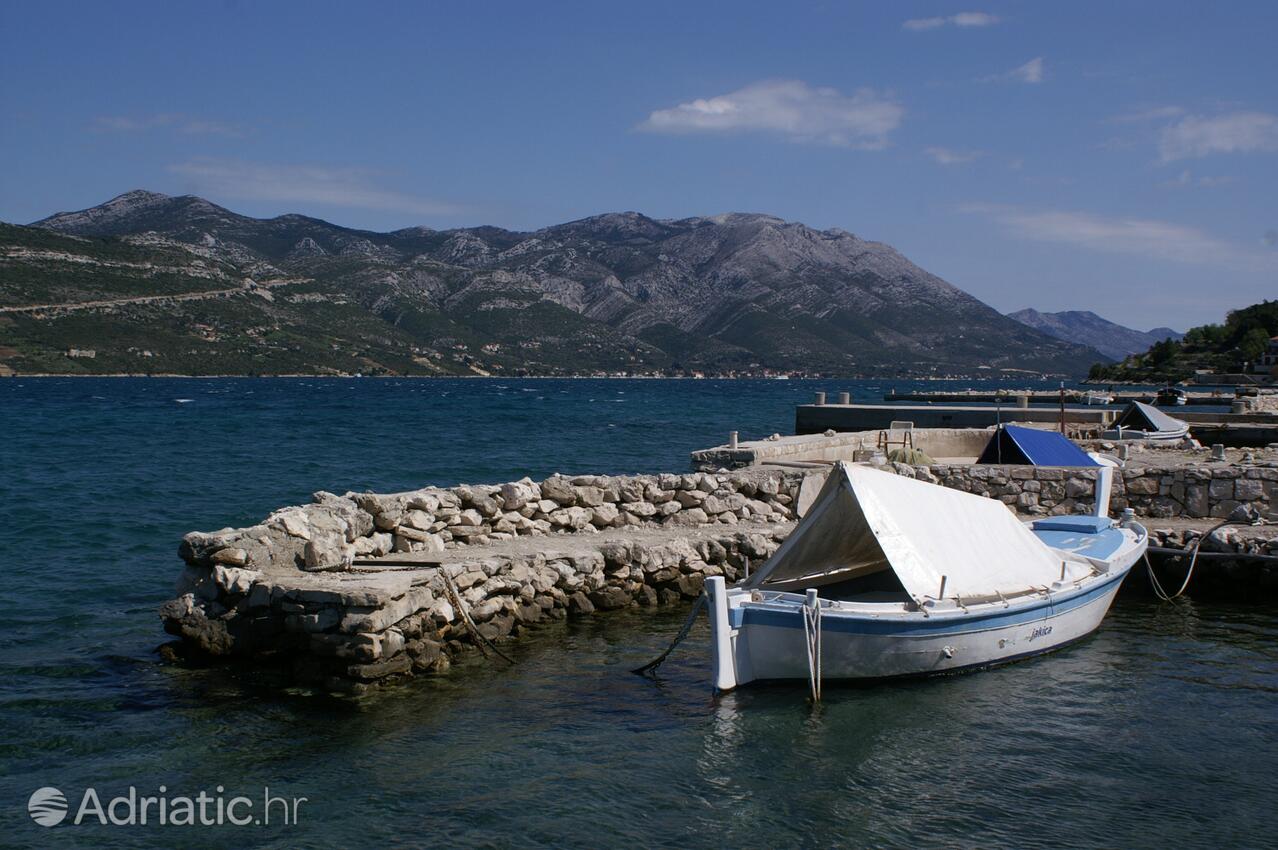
947, 651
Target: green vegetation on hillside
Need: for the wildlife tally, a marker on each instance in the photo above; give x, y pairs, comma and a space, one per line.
1217, 348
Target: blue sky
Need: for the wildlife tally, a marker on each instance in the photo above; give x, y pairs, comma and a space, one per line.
1118, 157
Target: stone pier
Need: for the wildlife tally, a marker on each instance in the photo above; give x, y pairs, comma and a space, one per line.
350, 590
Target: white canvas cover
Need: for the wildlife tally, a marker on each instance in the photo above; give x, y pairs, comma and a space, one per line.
864, 519
1146, 417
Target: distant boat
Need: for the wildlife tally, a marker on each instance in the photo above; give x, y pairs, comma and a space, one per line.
1171, 397
1098, 397
888, 576
1141, 421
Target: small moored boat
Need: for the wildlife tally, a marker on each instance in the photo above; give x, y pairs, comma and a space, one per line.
888, 576
1142, 421
1098, 397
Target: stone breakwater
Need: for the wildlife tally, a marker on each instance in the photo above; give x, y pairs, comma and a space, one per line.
310, 591
1239, 562
351, 590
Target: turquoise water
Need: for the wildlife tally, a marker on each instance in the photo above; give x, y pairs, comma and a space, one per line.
1160, 731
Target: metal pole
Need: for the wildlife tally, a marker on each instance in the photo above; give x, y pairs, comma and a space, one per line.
1062, 407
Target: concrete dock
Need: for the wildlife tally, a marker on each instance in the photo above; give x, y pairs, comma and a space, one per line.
1250, 429
817, 418
1072, 396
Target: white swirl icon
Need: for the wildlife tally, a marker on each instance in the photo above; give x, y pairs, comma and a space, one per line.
48, 806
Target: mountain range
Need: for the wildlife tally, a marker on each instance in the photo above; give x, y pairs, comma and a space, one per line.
152, 283
1086, 328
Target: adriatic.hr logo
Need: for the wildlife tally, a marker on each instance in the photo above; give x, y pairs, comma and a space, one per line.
49, 807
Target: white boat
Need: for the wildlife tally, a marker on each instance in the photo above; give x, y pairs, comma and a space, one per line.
1098, 397
887, 576
1142, 421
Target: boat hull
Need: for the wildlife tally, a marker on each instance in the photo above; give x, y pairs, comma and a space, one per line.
1151, 436
768, 641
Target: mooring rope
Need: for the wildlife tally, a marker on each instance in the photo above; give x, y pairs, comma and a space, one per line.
456, 600
1193, 559
652, 665
812, 635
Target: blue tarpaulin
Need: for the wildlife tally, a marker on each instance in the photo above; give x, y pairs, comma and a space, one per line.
1016, 444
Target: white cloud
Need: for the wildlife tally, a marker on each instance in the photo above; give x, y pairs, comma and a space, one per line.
962, 19
1187, 178
1030, 72
945, 156
339, 187
791, 108
167, 120
1153, 113
1149, 238
1234, 132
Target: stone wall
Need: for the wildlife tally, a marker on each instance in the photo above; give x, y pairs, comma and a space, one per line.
296, 590
1204, 490
333, 530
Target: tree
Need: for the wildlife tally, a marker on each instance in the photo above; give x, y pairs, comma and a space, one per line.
1161, 352
1253, 344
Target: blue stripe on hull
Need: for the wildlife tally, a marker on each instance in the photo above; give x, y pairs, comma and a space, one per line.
832, 621
948, 671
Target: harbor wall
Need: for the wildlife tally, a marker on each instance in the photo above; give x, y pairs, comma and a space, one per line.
302, 592
1152, 491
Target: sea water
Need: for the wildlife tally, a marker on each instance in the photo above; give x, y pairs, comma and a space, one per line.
1158, 731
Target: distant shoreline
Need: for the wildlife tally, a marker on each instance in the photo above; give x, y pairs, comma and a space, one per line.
20, 375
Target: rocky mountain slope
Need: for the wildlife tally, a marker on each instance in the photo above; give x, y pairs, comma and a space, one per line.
1086, 328
620, 292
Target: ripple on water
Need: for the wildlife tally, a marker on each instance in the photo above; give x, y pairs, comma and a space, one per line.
1156, 732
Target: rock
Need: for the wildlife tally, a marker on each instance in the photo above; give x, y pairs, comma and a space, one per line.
690, 517
1143, 486
418, 519
519, 493
470, 517
604, 515
639, 509
424, 653
380, 669
231, 557
579, 605
589, 496
427, 502
690, 498
328, 553
487, 506
294, 524
558, 490
610, 597
485, 610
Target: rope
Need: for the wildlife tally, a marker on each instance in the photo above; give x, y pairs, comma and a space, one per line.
812, 634
651, 666
1193, 559
456, 600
